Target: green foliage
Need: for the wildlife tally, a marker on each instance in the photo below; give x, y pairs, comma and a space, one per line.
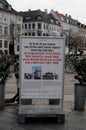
80, 69
5, 72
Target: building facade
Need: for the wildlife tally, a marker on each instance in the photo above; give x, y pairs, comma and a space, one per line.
69, 30
13, 24
10, 28
39, 23
82, 37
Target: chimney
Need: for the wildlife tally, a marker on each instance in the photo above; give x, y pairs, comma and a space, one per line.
66, 15
45, 11
29, 10
69, 16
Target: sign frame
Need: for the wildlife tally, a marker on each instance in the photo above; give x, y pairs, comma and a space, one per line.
27, 61
26, 108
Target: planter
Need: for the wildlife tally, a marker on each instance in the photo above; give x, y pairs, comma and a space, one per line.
2, 95
80, 95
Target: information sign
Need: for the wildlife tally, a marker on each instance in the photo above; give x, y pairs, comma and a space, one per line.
42, 67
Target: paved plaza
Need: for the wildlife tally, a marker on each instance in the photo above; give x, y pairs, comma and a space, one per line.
74, 120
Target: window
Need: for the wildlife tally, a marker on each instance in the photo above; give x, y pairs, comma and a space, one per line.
19, 18
18, 48
0, 51
18, 38
57, 22
0, 16
25, 34
6, 52
9, 7
0, 29
39, 33
11, 31
28, 18
33, 34
33, 26
44, 34
22, 26
47, 27
39, 25
1, 5
29, 34
29, 26
5, 30
19, 27
62, 19
5, 17
52, 21
0, 43
39, 17
6, 6
44, 26
25, 26
6, 44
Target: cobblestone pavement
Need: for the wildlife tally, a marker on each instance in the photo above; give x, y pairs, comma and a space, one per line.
74, 120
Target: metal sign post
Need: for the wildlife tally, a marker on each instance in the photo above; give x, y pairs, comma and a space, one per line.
41, 77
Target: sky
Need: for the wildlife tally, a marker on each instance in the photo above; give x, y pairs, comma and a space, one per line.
75, 8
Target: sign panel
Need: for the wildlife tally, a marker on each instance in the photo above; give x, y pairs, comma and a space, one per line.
41, 66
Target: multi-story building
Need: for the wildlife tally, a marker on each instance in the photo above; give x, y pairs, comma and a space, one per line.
39, 23
69, 30
13, 24
82, 37
10, 28
72, 37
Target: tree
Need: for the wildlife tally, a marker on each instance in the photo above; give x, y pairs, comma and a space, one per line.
12, 33
72, 41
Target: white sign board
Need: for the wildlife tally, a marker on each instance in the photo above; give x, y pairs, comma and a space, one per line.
41, 66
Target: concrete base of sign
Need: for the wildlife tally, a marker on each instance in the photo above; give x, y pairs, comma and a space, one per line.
26, 111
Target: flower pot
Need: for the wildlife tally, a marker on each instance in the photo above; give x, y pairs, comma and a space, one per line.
2, 95
80, 94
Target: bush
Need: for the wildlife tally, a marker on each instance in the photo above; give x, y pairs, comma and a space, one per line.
5, 72
80, 70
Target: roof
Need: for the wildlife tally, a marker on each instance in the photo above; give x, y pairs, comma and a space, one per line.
61, 16
5, 6
32, 15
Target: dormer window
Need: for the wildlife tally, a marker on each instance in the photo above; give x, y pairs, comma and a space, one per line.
9, 7
62, 19
57, 22
39, 17
0, 16
1, 5
51, 20
28, 18
6, 6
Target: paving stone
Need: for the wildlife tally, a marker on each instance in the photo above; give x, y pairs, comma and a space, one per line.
5, 126
74, 120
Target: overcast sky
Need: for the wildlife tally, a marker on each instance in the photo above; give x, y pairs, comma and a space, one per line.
75, 8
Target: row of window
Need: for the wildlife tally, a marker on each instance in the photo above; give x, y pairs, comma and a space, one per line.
39, 33
5, 6
32, 26
5, 52
9, 30
6, 49
41, 26
38, 18
5, 44
5, 30
28, 26
4, 17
